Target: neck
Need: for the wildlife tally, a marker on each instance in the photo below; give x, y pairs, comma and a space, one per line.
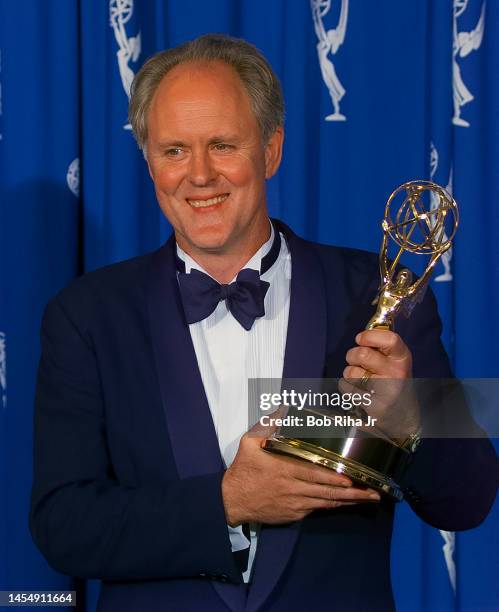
223, 266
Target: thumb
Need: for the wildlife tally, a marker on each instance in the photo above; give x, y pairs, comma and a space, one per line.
266, 428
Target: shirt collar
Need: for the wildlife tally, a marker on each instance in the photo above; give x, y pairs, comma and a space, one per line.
253, 263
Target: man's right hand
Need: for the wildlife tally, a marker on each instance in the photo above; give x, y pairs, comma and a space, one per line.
265, 488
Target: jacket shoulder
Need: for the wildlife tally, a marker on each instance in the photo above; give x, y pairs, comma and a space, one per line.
350, 257
105, 288
356, 270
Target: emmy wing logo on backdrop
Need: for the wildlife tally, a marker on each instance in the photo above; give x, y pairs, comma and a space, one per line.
73, 177
449, 537
120, 12
3, 369
448, 549
329, 43
446, 276
463, 44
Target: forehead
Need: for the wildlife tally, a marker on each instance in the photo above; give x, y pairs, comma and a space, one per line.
195, 92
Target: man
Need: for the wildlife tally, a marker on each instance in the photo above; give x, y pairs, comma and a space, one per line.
142, 478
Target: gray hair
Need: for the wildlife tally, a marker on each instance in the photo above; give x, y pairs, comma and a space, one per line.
256, 74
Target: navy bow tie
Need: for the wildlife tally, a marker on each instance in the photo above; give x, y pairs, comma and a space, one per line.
244, 297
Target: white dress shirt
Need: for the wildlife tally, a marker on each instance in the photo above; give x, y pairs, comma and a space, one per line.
228, 356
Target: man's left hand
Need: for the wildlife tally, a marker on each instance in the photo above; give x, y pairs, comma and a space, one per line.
384, 362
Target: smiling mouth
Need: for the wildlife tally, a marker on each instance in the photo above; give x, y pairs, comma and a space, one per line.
209, 202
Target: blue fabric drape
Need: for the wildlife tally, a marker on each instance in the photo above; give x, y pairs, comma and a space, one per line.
406, 90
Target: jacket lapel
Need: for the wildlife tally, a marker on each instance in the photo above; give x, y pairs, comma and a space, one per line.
304, 358
190, 425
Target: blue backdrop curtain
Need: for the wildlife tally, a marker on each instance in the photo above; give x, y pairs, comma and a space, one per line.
377, 93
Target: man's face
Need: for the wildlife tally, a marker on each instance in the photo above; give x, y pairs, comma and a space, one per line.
207, 160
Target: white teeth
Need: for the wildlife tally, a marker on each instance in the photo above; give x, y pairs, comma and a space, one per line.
210, 202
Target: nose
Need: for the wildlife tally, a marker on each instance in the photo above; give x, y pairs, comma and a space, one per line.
201, 169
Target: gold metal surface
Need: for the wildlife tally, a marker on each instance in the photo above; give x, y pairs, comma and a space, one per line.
360, 473
365, 378
420, 227
415, 228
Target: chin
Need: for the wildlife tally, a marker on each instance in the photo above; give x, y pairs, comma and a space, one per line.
206, 241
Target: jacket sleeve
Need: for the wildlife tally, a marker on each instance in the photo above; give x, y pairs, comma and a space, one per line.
452, 483
452, 479
87, 523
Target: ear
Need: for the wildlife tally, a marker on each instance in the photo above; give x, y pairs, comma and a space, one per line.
273, 152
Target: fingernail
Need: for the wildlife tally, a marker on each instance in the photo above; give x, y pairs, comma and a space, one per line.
374, 495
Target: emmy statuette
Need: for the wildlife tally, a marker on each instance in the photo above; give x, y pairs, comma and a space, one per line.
424, 223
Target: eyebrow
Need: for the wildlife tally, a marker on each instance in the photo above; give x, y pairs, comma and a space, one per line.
164, 144
224, 138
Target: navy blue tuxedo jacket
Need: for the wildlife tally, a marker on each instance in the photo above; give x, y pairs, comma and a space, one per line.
127, 485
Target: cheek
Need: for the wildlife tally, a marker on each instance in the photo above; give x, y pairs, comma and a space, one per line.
244, 172
168, 180
168, 196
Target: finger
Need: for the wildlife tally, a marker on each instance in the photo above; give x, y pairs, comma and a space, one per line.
310, 504
345, 385
318, 475
359, 375
322, 504
353, 383
298, 470
387, 342
379, 364
352, 494
368, 359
